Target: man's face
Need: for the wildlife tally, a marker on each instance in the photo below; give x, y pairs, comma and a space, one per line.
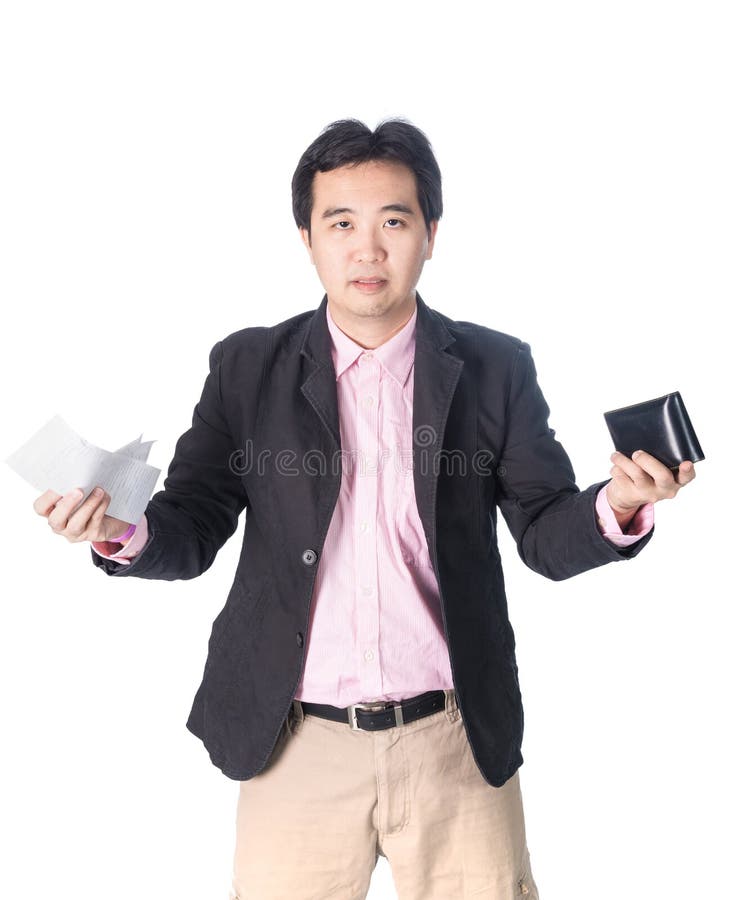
368, 239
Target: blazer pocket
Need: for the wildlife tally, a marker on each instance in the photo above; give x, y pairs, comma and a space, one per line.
240, 617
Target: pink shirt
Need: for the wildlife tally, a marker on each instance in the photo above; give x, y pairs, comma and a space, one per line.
376, 626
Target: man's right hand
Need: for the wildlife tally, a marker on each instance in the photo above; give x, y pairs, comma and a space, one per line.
85, 522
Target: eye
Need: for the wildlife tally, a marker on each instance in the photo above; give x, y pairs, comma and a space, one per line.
397, 221
337, 224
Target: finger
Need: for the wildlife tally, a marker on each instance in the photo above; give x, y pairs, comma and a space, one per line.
621, 477
660, 473
636, 473
622, 493
63, 508
46, 502
78, 522
666, 484
686, 472
95, 529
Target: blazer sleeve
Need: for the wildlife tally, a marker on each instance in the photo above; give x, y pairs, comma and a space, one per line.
553, 523
202, 498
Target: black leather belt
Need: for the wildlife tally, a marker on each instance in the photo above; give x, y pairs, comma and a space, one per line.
381, 714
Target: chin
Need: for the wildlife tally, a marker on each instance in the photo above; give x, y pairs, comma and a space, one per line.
376, 307
365, 306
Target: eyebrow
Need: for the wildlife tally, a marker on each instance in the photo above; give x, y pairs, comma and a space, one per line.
390, 207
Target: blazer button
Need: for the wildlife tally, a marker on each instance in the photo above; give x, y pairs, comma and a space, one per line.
299, 639
308, 557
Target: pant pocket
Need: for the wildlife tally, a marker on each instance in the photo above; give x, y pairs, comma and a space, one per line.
294, 719
525, 884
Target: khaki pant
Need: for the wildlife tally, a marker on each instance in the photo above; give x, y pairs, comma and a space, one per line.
310, 826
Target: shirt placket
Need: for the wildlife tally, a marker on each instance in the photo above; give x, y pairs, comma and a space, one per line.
367, 486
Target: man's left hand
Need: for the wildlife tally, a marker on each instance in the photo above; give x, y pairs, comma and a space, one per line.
643, 479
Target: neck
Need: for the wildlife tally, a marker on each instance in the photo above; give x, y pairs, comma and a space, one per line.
372, 331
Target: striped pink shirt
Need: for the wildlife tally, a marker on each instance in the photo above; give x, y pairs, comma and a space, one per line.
376, 626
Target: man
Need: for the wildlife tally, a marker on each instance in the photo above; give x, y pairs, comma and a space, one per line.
361, 681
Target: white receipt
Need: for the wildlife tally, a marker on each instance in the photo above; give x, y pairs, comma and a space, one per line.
56, 457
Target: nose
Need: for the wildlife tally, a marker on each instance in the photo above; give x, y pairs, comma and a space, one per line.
370, 249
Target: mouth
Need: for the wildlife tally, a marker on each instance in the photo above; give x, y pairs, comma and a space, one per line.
369, 285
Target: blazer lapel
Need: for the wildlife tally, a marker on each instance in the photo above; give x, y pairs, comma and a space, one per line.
435, 376
320, 384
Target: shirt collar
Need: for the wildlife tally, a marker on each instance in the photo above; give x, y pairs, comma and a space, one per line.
395, 355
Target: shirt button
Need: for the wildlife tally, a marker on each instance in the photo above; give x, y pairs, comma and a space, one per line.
308, 557
368, 401
364, 526
299, 639
368, 655
367, 590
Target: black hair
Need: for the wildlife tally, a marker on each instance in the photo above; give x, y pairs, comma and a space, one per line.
350, 142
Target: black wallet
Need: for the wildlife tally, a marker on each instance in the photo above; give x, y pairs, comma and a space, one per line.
661, 427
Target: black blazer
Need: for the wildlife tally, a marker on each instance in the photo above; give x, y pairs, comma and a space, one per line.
265, 436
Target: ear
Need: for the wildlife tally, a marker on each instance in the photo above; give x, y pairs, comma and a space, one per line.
305, 238
433, 225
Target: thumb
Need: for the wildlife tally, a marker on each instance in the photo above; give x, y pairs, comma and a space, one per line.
103, 527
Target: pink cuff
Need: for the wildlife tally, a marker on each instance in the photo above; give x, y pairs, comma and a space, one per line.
638, 527
131, 549
129, 532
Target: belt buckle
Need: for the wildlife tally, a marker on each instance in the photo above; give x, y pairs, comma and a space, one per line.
378, 706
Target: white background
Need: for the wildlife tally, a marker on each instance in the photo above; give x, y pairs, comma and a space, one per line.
587, 152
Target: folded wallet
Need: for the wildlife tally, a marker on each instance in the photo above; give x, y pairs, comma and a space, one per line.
661, 427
